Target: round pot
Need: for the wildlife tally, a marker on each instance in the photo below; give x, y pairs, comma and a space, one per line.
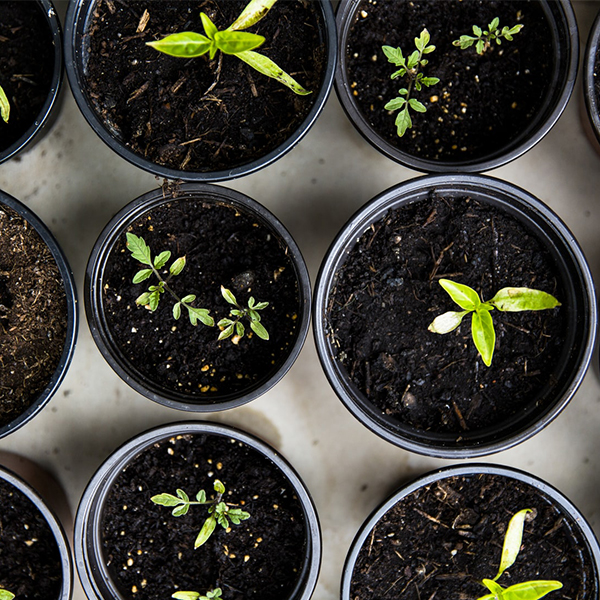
30, 130
77, 53
468, 531
101, 582
294, 274
47, 390
562, 28
544, 402
590, 95
23, 493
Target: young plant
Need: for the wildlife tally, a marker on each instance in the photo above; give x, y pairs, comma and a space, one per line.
228, 326
210, 595
483, 39
409, 68
150, 299
5, 114
219, 512
6, 595
482, 327
189, 44
528, 590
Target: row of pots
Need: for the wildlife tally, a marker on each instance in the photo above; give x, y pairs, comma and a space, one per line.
439, 531
357, 20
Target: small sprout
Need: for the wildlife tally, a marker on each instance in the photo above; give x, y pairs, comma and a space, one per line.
483, 39
6, 595
229, 326
211, 595
528, 590
189, 44
409, 68
220, 512
482, 327
5, 114
150, 299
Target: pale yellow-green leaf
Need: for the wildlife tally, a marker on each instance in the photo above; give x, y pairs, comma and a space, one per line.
5, 114
447, 322
514, 299
512, 540
484, 336
254, 12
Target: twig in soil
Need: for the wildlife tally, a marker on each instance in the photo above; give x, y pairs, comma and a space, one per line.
438, 261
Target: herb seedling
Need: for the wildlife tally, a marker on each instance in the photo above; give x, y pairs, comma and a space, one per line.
220, 512
228, 326
210, 595
409, 68
528, 590
5, 114
150, 299
189, 44
482, 327
6, 595
483, 39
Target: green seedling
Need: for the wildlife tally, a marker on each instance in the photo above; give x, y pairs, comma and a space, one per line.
483, 38
211, 595
219, 512
410, 70
5, 114
189, 44
528, 590
150, 299
482, 327
6, 595
229, 326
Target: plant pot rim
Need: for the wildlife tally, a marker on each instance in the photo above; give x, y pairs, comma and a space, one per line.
592, 105
93, 294
539, 484
72, 313
74, 75
54, 525
51, 102
565, 78
486, 188
86, 543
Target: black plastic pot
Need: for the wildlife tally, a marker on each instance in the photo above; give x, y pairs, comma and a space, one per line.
93, 572
591, 72
588, 550
75, 60
580, 304
45, 118
72, 314
53, 523
101, 333
566, 47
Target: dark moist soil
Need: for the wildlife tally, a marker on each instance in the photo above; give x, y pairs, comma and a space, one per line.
26, 65
597, 77
33, 315
151, 553
387, 293
443, 539
482, 103
30, 563
196, 114
222, 247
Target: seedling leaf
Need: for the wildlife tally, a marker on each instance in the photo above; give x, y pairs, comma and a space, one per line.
161, 260
259, 330
186, 595
142, 275
403, 122
254, 12
219, 487
166, 500
5, 114
233, 42
484, 336
210, 28
467, 298
186, 44
177, 311
179, 511
206, 531
512, 541
229, 297
139, 249
5, 594
447, 322
530, 590
514, 299
177, 266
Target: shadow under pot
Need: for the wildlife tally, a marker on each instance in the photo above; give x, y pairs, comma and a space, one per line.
32, 65
455, 109
202, 118
444, 533
131, 547
220, 314
383, 282
38, 314
35, 558
591, 83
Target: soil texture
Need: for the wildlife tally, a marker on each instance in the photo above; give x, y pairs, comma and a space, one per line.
387, 293
30, 562
222, 246
26, 65
199, 114
151, 554
482, 103
443, 539
33, 315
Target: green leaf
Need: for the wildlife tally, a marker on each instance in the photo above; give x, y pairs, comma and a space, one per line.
496, 589
166, 500
267, 67
429, 81
395, 104
237, 515
465, 41
254, 12
225, 322
186, 595
189, 298
513, 299
139, 249
429, 49
413, 59
403, 121
229, 297
233, 42
186, 44
447, 322
200, 314
236, 312
143, 299
512, 540
260, 306
201, 496
219, 487
179, 511
222, 520
142, 275
177, 266
5, 114
181, 494
206, 531
259, 330
177, 311
394, 55
239, 329
494, 24
400, 73
465, 296
161, 260
480, 46
5, 594
530, 590
227, 332
210, 29
484, 336
216, 593
153, 300
422, 41
417, 106
477, 31
253, 315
